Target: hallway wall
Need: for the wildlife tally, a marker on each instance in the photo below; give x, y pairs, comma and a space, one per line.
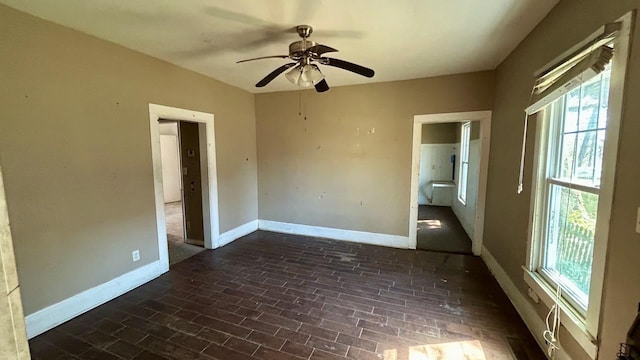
435, 163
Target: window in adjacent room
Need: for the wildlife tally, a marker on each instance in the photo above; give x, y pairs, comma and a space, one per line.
464, 162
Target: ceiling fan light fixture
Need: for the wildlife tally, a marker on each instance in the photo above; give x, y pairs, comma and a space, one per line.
294, 75
305, 76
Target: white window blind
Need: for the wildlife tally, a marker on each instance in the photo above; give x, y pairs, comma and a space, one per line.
557, 82
567, 74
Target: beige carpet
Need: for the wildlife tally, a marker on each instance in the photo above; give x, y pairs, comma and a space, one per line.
178, 250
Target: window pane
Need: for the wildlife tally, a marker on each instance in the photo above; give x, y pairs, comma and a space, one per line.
585, 169
599, 155
571, 109
464, 161
581, 162
466, 132
604, 99
590, 104
569, 254
567, 156
462, 189
584, 117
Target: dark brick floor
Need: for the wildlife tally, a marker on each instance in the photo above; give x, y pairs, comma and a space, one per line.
274, 296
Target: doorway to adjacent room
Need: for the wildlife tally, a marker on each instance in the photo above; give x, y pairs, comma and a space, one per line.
182, 188
185, 182
448, 181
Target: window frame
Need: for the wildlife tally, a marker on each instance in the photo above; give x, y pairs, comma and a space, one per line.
555, 120
465, 144
583, 327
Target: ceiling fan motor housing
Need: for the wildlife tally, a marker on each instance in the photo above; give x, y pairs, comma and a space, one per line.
297, 49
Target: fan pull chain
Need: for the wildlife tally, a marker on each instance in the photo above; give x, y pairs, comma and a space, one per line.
300, 105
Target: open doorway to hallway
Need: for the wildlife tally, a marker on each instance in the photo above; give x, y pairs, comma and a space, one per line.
448, 186
182, 188
449, 167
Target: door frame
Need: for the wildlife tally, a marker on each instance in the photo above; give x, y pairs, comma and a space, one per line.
209, 193
485, 134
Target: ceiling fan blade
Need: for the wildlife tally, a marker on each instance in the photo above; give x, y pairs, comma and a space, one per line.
274, 74
264, 57
360, 70
322, 86
321, 49
237, 17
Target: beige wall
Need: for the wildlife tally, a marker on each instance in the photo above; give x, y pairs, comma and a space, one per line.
346, 161
507, 213
13, 335
439, 133
76, 151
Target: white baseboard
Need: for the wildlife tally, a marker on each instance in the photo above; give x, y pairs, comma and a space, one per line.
395, 241
526, 310
237, 233
56, 314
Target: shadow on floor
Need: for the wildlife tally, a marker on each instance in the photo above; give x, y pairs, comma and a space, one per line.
440, 230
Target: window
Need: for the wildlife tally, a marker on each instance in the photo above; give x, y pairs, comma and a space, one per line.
574, 156
464, 162
578, 101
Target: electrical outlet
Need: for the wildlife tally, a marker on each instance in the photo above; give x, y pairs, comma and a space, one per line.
135, 255
638, 222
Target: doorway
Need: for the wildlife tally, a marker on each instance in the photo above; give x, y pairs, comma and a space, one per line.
448, 181
185, 182
182, 188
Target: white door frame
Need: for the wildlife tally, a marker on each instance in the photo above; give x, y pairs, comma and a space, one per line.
209, 193
485, 132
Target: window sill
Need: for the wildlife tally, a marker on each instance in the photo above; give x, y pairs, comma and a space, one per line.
570, 319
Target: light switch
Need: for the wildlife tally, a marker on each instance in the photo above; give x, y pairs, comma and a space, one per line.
638, 222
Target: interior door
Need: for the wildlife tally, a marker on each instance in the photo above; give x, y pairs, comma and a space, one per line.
191, 183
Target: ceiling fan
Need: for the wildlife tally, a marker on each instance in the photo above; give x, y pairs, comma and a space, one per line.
307, 55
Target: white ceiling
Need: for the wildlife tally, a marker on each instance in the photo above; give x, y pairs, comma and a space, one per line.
399, 39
